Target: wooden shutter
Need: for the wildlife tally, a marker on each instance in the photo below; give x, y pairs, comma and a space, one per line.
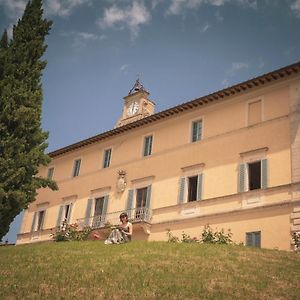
196, 130
59, 217
148, 196
69, 214
43, 220
88, 211
249, 239
104, 210
33, 222
242, 171
129, 205
181, 190
199, 186
264, 173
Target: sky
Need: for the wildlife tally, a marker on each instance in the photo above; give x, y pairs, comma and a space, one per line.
180, 50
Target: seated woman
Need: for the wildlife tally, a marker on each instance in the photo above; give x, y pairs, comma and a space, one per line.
121, 234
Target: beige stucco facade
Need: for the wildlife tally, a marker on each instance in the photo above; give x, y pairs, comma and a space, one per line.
257, 124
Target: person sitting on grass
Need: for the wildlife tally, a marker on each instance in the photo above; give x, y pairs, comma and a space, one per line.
122, 233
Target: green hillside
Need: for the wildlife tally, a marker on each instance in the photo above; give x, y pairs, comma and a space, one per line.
147, 270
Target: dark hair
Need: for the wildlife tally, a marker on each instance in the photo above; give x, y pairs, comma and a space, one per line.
124, 214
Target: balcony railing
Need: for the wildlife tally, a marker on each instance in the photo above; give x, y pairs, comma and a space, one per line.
136, 215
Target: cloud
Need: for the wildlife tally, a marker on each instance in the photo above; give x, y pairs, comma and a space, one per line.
81, 39
63, 8
177, 7
205, 28
124, 68
295, 7
233, 70
13, 8
132, 16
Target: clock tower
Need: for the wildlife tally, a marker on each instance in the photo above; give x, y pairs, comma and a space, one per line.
136, 105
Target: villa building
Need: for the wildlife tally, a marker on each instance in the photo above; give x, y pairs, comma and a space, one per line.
230, 159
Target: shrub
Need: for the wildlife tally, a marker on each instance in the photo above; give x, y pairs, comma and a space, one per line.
208, 236
296, 240
70, 232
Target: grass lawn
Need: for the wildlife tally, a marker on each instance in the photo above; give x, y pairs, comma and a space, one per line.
147, 270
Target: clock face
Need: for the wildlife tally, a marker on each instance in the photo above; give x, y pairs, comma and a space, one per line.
133, 108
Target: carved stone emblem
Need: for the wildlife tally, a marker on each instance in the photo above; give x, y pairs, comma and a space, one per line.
121, 181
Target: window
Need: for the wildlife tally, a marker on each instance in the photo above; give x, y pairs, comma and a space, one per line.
41, 216
50, 173
254, 112
98, 211
253, 239
64, 214
76, 167
148, 145
192, 188
254, 170
253, 175
106, 158
196, 131
138, 207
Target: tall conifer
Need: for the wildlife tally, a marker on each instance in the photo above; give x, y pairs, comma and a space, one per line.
22, 141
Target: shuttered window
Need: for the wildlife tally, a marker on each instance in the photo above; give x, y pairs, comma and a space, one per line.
40, 221
50, 173
196, 131
106, 158
253, 175
194, 185
76, 167
253, 239
148, 145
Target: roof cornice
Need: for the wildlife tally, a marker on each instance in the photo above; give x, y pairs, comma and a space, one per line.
234, 90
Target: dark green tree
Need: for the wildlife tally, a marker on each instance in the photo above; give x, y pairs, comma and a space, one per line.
22, 141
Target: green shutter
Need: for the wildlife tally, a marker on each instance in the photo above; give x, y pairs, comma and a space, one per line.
257, 239
69, 214
148, 197
104, 210
88, 211
248, 239
181, 190
33, 222
43, 220
199, 186
242, 170
129, 205
59, 217
264, 173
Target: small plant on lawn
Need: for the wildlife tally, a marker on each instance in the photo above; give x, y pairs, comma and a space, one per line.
296, 240
187, 239
171, 237
70, 232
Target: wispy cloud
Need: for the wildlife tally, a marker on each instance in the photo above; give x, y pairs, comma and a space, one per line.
205, 28
63, 8
132, 17
124, 68
177, 7
233, 70
81, 39
13, 8
295, 7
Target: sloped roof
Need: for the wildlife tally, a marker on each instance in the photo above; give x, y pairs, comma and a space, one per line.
236, 89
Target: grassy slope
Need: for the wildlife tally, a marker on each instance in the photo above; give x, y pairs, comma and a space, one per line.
141, 270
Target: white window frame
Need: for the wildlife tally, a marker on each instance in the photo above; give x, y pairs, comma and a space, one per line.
110, 158
144, 144
192, 121
74, 163
48, 170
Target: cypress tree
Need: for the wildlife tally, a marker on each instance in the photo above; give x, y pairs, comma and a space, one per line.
22, 141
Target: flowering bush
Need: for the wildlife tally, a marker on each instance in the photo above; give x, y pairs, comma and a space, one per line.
70, 232
208, 236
